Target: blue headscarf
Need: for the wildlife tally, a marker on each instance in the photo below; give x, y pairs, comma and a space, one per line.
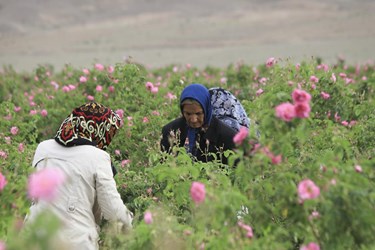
199, 93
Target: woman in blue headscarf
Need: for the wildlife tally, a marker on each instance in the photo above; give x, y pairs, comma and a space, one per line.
198, 130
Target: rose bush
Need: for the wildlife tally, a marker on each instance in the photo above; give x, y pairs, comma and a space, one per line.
305, 183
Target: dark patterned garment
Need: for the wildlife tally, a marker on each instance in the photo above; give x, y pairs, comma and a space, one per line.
228, 109
89, 124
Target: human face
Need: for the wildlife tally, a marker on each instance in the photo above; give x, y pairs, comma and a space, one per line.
193, 114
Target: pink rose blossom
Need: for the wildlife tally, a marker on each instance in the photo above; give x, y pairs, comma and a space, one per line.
298, 66
314, 215
314, 79
3, 181
333, 77
352, 123
83, 79
65, 89
324, 95
125, 162
349, 80
323, 67
171, 96
43, 113
33, 112
99, 88
337, 117
90, 98
345, 123
21, 147
45, 183
86, 71
120, 112
54, 84
149, 85
263, 80
342, 75
17, 109
148, 217
299, 96
99, 67
302, 110
154, 90
270, 62
358, 168
310, 246
2, 245
223, 80
110, 69
197, 192
333, 182
259, 92
117, 152
276, 159
241, 135
285, 111
145, 120
111, 89
13, 130
308, 190
155, 112
249, 230
3, 154
8, 140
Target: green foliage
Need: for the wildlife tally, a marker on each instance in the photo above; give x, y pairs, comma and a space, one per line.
258, 190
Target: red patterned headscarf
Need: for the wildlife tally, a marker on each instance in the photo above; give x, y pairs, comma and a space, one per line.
89, 124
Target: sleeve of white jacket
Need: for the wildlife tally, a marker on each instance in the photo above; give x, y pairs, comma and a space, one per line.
109, 199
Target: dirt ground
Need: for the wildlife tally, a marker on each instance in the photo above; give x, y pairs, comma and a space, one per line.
200, 32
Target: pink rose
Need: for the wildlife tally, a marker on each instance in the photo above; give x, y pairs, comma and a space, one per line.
3, 181
149, 85
308, 190
14, 130
83, 79
358, 168
21, 147
324, 95
43, 113
314, 79
285, 111
259, 92
270, 62
99, 88
45, 183
302, 110
299, 95
241, 135
310, 246
99, 67
148, 218
197, 192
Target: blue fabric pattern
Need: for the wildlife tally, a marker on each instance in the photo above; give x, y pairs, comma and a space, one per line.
228, 109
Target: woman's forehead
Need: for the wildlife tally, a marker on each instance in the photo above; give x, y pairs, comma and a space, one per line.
192, 108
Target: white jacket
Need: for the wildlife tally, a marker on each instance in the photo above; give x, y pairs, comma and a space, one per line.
88, 192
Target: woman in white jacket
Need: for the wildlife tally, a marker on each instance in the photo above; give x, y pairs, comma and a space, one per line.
89, 192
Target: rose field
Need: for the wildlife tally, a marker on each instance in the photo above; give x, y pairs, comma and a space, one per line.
304, 176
